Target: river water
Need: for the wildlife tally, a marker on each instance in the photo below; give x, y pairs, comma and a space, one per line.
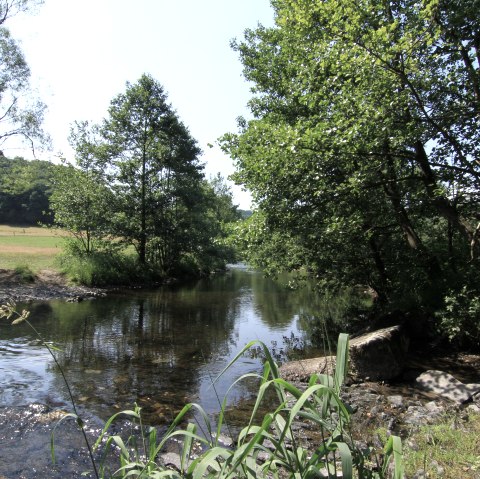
159, 349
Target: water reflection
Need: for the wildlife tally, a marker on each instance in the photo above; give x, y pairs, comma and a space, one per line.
158, 348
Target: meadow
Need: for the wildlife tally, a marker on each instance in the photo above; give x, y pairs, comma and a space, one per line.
35, 247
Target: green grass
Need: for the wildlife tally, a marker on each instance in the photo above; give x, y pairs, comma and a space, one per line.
31, 241
25, 273
33, 246
450, 448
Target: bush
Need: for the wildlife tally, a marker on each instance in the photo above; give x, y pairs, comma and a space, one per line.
102, 268
459, 320
25, 273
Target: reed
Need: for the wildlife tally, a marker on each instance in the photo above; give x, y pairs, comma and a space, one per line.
270, 448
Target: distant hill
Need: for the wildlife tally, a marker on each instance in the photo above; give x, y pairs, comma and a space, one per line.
245, 213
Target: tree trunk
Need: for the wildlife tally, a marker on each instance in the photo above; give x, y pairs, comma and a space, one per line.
440, 202
429, 261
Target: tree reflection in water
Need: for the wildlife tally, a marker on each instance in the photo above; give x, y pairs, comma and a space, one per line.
161, 348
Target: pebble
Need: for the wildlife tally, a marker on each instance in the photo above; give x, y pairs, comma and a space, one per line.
396, 401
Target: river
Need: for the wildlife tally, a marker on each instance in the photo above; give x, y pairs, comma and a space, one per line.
159, 349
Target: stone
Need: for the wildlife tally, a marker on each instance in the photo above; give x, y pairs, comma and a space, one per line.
474, 389
379, 355
303, 369
434, 407
420, 474
171, 459
396, 401
445, 385
474, 408
376, 356
422, 415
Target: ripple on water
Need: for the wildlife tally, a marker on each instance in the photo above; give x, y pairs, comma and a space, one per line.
23, 372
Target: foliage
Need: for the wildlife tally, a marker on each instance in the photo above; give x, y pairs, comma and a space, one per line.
25, 189
286, 456
101, 268
81, 206
363, 151
459, 319
21, 114
139, 184
153, 169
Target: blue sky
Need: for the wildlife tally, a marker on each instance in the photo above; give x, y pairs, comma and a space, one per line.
81, 53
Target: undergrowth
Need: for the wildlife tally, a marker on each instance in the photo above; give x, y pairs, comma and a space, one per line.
450, 448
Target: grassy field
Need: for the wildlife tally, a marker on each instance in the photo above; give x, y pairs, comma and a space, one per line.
32, 246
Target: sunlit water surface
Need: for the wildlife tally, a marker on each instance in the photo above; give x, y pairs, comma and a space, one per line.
159, 349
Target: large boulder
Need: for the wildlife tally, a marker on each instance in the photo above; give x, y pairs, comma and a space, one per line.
379, 355
376, 356
303, 369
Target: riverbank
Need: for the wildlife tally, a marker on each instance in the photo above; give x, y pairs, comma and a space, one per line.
46, 285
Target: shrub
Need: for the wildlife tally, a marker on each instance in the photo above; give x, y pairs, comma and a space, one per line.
102, 268
25, 274
459, 320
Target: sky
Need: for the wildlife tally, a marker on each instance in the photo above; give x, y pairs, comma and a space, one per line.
81, 53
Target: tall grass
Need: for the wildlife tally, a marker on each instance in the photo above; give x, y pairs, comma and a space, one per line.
270, 447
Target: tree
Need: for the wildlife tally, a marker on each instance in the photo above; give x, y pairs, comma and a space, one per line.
20, 115
81, 205
25, 189
364, 146
153, 166
81, 199
138, 179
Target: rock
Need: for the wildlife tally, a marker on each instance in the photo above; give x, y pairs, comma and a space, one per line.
396, 401
171, 459
446, 386
303, 369
434, 407
438, 468
420, 474
379, 355
474, 408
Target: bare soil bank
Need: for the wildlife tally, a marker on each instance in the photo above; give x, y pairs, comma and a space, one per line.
47, 285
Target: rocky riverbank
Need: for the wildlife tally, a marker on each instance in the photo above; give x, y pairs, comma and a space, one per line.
434, 388
399, 390
45, 285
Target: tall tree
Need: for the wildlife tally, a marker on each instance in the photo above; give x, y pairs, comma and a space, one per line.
364, 147
153, 166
